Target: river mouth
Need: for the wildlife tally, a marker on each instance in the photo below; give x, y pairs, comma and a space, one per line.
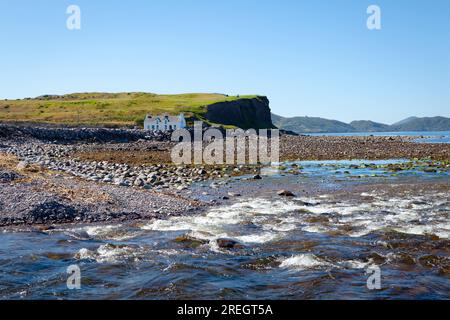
260, 246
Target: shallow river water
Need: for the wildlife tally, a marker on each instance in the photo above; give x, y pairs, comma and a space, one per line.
311, 247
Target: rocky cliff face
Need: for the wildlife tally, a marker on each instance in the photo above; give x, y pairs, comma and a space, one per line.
243, 113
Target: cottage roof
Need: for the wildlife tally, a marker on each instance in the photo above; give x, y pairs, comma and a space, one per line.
172, 119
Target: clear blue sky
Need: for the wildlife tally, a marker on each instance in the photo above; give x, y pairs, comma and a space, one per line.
310, 57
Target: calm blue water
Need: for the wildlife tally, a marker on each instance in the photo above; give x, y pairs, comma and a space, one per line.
310, 247
429, 136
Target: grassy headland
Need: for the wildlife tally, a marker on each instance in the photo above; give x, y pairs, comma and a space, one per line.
109, 109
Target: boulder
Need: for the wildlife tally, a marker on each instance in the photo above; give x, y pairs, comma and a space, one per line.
228, 244
234, 194
285, 193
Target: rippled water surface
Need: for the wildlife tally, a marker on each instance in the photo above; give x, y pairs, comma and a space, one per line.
310, 247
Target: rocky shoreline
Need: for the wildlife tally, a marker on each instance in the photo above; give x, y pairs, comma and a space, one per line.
356, 147
60, 199
85, 175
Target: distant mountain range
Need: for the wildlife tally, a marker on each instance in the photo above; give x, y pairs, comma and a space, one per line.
320, 125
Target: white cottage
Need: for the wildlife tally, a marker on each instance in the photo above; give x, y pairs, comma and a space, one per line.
164, 122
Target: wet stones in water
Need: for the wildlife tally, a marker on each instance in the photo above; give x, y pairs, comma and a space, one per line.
318, 219
307, 204
257, 177
265, 263
190, 242
234, 194
405, 261
376, 258
229, 244
51, 211
419, 203
285, 193
58, 256
433, 261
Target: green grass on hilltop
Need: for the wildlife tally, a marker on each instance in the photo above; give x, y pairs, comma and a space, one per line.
114, 109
